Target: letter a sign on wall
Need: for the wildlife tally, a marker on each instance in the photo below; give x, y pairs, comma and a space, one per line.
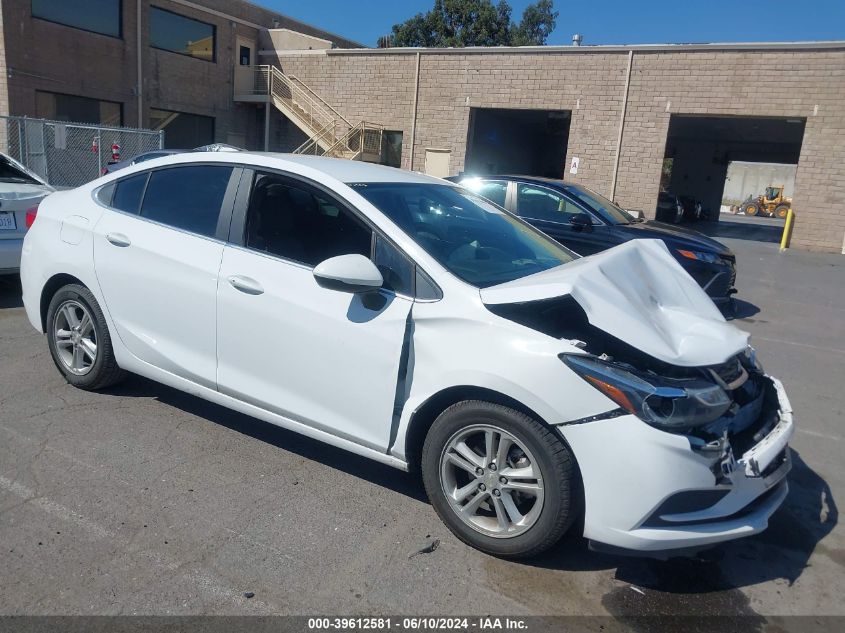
573, 166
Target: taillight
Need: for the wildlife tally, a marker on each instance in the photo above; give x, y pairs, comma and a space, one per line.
30, 216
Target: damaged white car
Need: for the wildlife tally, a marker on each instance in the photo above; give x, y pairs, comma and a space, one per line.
408, 320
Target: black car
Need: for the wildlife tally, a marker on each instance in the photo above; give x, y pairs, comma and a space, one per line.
587, 223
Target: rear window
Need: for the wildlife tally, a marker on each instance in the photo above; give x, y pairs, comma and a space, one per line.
10, 173
128, 192
187, 198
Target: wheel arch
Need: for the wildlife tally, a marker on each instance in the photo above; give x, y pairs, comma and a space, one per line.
50, 288
425, 415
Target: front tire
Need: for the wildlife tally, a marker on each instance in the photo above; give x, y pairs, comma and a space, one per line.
79, 339
751, 208
500, 480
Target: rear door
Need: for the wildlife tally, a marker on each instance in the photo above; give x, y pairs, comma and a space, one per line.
557, 216
327, 358
157, 251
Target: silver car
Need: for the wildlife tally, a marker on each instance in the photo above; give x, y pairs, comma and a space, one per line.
20, 193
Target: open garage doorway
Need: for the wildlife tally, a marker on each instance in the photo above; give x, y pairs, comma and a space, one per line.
508, 141
715, 164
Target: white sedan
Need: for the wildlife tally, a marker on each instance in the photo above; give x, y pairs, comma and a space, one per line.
408, 320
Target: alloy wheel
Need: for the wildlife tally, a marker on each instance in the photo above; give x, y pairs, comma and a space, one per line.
491, 481
75, 337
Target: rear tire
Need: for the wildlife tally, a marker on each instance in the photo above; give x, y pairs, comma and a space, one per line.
781, 211
751, 208
531, 477
79, 339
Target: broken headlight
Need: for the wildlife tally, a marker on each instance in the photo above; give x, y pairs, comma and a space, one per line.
666, 403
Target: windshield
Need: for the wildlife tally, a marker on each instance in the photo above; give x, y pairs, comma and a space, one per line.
472, 238
608, 211
10, 173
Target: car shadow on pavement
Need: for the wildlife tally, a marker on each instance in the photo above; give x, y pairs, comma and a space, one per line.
10, 292
712, 579
382, 475
740, 309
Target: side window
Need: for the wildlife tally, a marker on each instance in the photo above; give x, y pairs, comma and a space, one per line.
187, 198
128, 193
397, 270
294, 222
539, 203
494, 190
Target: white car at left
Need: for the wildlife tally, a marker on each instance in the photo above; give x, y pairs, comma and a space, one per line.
21, 190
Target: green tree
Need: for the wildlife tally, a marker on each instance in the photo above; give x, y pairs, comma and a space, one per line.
456, 23
538, 22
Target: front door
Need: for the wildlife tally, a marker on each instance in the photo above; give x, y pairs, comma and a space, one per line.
323, 357
156, 258
244, 63
562, 219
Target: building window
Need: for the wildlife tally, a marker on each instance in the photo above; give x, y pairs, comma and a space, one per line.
179, 34
181, 130
97, 16
391, 148
59, 107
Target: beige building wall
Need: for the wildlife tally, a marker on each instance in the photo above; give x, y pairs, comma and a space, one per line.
765, 80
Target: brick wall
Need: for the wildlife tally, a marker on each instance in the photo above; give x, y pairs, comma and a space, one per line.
41, 55
790, 82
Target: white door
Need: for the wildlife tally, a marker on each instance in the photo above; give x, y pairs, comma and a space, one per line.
244, 63
437, 162
159, 282
323, 357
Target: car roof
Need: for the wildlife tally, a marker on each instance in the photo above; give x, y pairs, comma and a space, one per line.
549, 181
341, 169
350, 171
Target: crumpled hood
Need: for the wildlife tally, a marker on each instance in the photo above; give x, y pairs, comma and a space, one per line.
638, 293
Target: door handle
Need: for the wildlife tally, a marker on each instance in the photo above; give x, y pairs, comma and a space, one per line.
118, 239
246, 285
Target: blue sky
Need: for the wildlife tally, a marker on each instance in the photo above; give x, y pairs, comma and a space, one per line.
608, 21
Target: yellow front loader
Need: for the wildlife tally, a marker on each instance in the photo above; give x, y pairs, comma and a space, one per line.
772, 203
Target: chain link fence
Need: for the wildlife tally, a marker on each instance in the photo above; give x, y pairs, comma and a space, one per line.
71, 154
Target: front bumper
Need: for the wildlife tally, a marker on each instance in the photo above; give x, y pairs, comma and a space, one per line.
717, 280
643, 487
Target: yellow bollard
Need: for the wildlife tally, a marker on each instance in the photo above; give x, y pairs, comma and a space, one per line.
787, 231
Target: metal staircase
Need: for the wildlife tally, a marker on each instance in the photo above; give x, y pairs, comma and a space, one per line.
329, 132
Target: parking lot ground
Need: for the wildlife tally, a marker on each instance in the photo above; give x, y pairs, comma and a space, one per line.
744, 227
143, 500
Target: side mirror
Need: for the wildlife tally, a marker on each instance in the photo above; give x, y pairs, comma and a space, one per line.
348, 273
581, 221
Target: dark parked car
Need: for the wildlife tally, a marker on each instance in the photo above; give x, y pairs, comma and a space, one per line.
587, 223
677, 209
